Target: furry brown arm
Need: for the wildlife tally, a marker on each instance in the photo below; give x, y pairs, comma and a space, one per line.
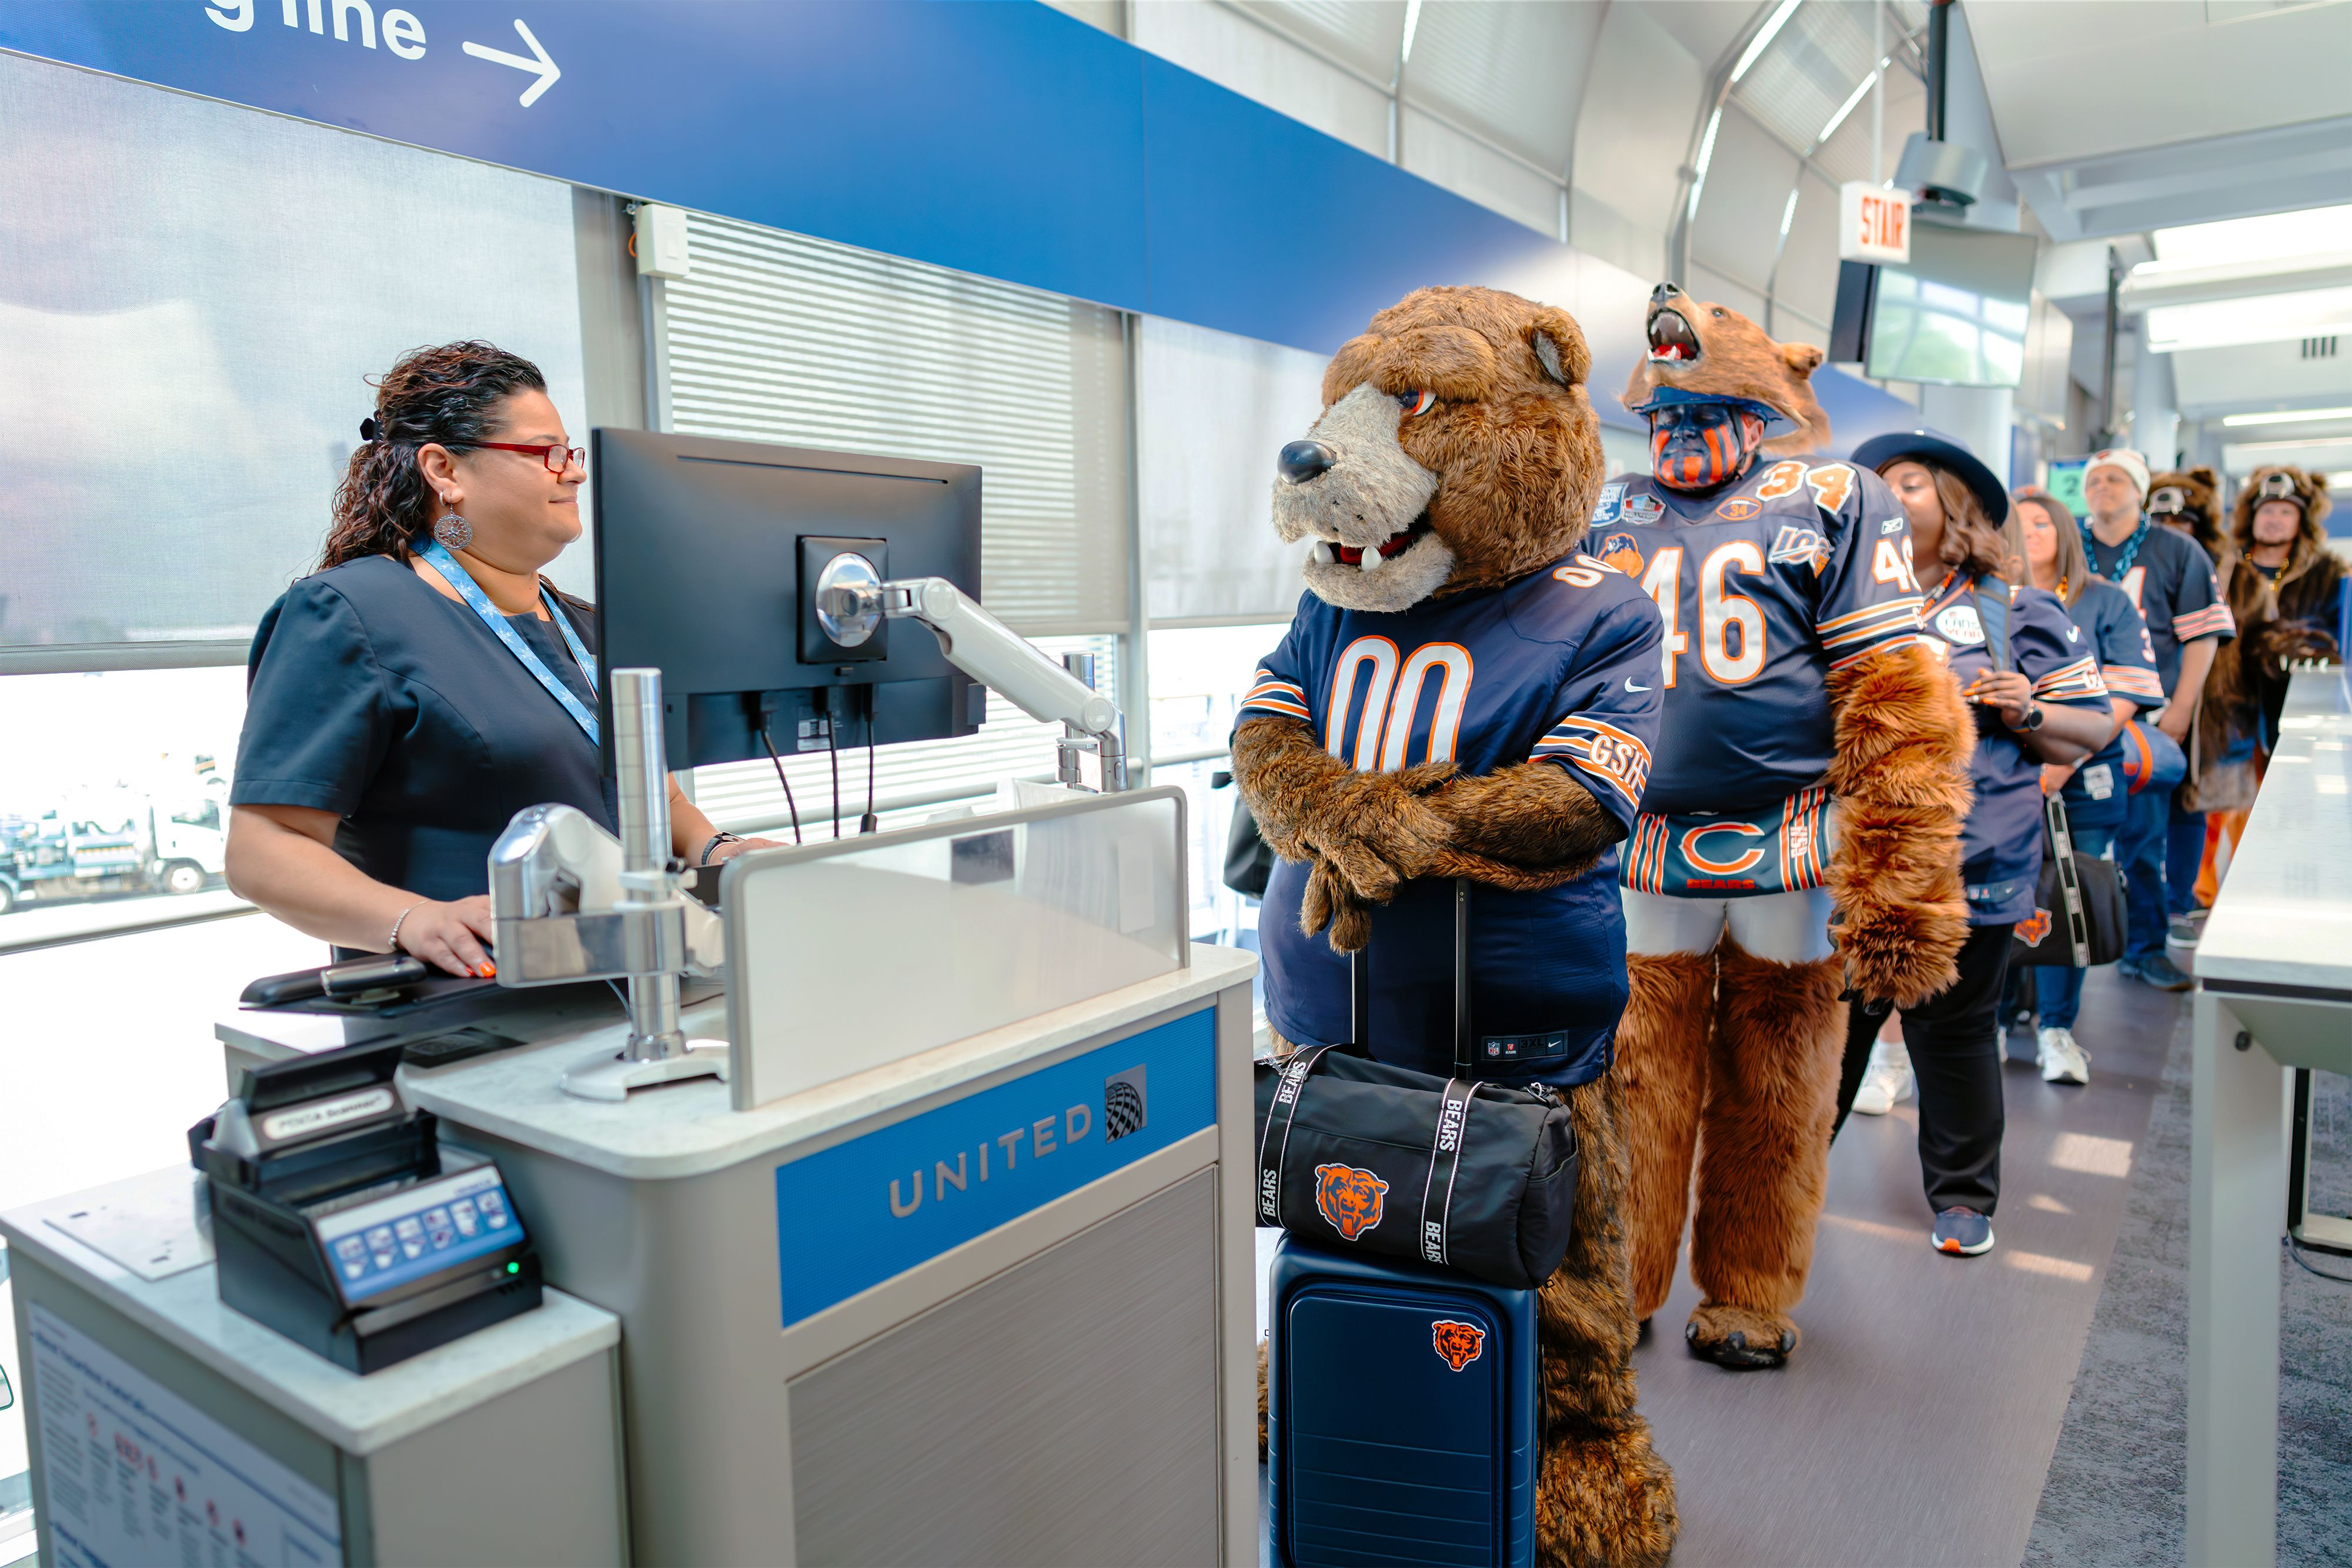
1373, 830
1901, 779
1531, 825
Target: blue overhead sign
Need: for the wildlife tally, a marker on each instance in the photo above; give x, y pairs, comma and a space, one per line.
997, 137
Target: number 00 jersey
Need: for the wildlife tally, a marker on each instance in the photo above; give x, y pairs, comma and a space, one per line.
1560, 665
1765, 586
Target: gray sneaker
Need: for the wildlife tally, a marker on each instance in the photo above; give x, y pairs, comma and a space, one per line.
2185, 929
1962, 1232
2156, 970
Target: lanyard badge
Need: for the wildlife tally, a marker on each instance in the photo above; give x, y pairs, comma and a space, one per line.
458, 578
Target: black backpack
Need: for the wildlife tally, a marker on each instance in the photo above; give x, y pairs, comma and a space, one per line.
1474, 1176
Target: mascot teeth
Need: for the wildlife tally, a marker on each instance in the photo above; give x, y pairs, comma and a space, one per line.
1320, 553
1372, 560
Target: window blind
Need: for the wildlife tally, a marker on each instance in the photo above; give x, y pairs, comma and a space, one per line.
195, 293
778, 337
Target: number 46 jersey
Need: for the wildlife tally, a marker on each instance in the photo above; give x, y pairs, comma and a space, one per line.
1765, 586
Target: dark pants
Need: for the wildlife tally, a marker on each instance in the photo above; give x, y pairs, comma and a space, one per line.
1957, 1059
2140, 856
2184, 851
2057, 995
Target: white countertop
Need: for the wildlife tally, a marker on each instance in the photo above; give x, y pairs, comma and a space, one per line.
2284, 913
358, 1415
688, 1128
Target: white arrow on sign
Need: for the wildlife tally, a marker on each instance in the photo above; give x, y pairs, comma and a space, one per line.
537, 62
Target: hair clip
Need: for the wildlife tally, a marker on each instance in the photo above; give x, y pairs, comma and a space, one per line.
369, 428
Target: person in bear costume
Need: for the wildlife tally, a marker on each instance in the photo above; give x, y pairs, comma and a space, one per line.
1462, 694
1799, 840
2306, 579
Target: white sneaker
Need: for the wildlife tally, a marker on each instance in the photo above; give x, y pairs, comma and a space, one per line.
1887, 1082
2063, 1061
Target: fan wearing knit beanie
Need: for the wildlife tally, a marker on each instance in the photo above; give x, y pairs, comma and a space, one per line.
2172, 583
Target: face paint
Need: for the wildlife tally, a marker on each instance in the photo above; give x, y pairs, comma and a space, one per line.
1698, 446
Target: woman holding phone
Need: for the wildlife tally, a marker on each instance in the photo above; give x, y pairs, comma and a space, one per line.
2037, 697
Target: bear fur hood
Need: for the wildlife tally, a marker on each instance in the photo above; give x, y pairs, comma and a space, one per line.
2194, 495
1457, 450
2310, 540
1698, 347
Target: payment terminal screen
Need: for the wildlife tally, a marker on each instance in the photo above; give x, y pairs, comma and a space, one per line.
417, 1231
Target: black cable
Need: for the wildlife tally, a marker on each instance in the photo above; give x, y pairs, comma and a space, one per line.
869, 822
789, 803
2295, 1250
833, 747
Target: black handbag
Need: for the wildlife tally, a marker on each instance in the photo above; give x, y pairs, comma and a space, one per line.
1249, 859
2079, 917
1473, 1176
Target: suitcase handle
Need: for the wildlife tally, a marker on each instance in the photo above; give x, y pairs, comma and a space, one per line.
1359, 989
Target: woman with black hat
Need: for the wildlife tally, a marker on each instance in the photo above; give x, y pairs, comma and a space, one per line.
2039, 698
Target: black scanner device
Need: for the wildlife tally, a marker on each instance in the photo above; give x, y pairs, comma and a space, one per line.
340, 1221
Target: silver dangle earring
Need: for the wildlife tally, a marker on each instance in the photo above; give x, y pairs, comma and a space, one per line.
453, 532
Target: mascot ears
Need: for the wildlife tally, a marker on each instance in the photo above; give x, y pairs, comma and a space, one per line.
1558, 343
1804, 359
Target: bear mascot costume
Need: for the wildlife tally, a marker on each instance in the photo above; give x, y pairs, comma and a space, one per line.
1799, 843
1464, 695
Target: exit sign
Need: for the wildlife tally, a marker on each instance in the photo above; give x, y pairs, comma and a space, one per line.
1873, 222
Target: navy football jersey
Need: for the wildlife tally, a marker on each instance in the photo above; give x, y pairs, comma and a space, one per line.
2096, 791
2170, 579
2000, 843
1765, 586
1560, 665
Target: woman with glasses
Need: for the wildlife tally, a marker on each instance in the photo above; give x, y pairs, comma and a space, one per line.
425, 683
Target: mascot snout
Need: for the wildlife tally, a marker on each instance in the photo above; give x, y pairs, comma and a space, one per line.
1352, 488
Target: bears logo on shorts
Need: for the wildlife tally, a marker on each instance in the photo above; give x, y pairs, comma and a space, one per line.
1459, 1343
1348, 1198
2034, 927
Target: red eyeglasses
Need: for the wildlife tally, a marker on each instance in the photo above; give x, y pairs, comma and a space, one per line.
557, 458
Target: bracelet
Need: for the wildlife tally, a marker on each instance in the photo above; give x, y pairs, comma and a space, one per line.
717, 839
392, 943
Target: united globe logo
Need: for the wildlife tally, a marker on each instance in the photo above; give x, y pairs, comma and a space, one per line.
1125, 1107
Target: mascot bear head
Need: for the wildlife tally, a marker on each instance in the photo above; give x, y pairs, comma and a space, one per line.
2307, 491
1456, 450
1713, 351
2188, 499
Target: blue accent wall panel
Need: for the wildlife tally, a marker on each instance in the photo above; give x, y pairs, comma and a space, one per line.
856, 1214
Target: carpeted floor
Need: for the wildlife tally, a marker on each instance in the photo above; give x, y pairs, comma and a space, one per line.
2115, 1490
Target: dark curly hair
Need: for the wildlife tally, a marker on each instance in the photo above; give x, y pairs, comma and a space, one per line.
1972, 544
450, 396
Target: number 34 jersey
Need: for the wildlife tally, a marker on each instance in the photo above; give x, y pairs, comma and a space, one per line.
1765, 587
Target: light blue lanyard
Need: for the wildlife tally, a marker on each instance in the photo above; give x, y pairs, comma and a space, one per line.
458, 578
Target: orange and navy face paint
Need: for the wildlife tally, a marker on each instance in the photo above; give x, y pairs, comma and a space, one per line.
1698, 446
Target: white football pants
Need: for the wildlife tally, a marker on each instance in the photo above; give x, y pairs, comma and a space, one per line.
1782, 927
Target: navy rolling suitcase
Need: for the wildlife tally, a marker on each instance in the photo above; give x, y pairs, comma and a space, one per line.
1402, 1412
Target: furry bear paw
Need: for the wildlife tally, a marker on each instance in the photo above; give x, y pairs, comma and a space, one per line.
1739, 1339
1604, 1500
1377, 831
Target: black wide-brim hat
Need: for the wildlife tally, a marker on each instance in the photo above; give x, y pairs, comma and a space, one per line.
1944, 452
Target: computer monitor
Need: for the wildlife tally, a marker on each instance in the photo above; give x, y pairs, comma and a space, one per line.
706, 557
1956, 315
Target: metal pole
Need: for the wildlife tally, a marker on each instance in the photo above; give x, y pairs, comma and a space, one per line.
2107, 377
641, 781
1878, 95
1940, 51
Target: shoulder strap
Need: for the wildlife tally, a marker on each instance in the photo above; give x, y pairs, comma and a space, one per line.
2060, 842
1454, 1104
1274, 1139
1993, 614
1465, 1061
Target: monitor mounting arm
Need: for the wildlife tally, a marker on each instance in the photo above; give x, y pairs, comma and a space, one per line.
852, 599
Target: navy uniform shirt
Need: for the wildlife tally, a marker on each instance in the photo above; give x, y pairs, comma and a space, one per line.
1560, 665
2096, 792
2170, 583
1766, 586
2001, 844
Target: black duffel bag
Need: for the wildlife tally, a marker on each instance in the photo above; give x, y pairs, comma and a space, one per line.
1474, 1176
2079, 917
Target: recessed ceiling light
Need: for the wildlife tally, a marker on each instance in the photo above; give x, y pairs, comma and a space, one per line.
2278, 234
2298, 416
2256, 318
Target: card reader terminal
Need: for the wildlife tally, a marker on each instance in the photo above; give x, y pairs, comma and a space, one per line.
340, 1221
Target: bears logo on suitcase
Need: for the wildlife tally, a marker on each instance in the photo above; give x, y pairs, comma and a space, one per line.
1349, 1199
1459, 1343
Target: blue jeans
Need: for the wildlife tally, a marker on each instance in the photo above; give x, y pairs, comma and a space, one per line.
2184, 851
2058, 991
2140, 856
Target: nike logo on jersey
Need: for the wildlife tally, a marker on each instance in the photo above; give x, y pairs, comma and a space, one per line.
1631, 687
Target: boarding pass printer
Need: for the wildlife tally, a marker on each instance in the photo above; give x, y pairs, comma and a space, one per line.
930, 1238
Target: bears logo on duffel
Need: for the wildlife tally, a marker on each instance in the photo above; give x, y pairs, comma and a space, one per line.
1348, 1198
2034, 927
1459, 1343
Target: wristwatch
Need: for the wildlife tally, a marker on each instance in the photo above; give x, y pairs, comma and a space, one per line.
724, 838
2033, 720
